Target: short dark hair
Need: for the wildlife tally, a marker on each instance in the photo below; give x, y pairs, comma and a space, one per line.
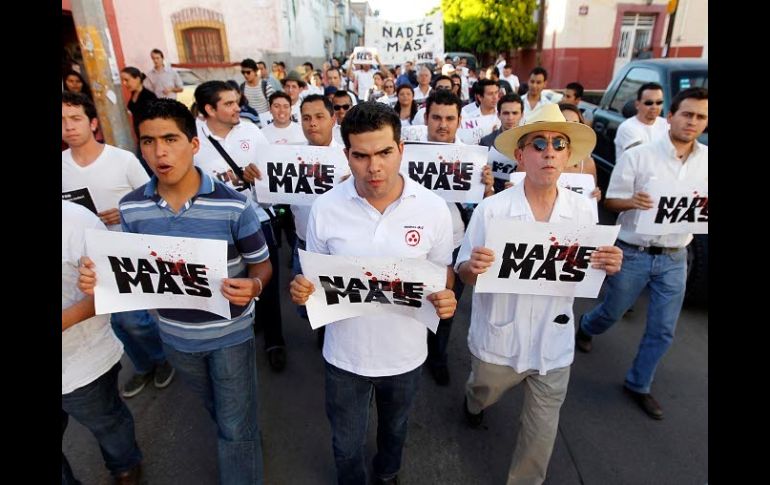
644, 87
263, 64
482, 84
539, 70
80, 99
133, 72
334, 69
369, 116
169, 109
510, 98
158, 51
341, 93
689, 93
208, 93
312, 98
276, 95
439, 78
445, 97
577, 87
308, 64
86, 89
249, 64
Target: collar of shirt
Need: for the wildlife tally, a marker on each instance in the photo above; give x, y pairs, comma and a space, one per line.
668, 147
206, 187
204, 127
520, 206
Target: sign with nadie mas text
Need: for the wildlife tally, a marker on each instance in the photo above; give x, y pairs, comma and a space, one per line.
580, 183
349, 286
536, 258
414, 40
140, 271
297, 174
451, 171
680, 208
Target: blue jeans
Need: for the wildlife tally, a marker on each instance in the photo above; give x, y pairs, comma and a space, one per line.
226, 379
98, 407
665, 275
347, 407
439, 341
138, 331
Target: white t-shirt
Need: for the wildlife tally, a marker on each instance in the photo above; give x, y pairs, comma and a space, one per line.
516, 330
291, 135
343, 223
543, 101
88, 348
419, 117
470, 110
112, 175
633, 132
513, 80
365, 81
419, 96
637, 166
301, 213
241, 143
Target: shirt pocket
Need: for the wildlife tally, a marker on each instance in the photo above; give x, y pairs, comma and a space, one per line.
500, 333
559, 332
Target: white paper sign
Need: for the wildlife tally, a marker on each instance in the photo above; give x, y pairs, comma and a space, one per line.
502, 166
581, 183
297, 174
140, 271
364, 55
536, 258
451, 171
414, 133
265, 118
348, 286
398, 42
474, 129
680, 208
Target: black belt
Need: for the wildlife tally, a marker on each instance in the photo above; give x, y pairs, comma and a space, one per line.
651, 250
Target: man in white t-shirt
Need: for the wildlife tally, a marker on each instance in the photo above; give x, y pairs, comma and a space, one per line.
342, 101
241, 141
512, 78
282, 131
376, 355
108, 173
423, 88
292, 85
90, 360
647, 125
519, 338
441, 82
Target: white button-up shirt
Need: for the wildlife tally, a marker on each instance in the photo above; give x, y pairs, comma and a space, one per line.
515, 330
344, 223
543, 101
633, 132
643, 163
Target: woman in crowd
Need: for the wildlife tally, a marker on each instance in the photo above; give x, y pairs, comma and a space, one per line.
406, 107
74, 83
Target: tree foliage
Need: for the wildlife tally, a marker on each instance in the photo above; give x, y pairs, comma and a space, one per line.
488, 25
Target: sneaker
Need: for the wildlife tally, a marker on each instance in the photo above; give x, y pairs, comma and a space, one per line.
583, 341
164, 374
135, 385
276, 357
474, 420
440, 374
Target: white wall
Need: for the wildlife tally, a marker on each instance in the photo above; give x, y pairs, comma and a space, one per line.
141, 30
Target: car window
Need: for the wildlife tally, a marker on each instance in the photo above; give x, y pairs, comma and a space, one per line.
631, 84
688, 79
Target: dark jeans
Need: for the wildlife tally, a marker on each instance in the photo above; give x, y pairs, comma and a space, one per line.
267, 312
439, 341
138, 330
226, 379
347, 407
98, 407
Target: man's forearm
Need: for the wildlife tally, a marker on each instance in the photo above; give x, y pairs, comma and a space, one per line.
77, 312
263, 271
619, 205
465, 274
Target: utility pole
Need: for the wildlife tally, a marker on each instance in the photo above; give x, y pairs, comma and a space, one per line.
540, 32
672, 7
102, 70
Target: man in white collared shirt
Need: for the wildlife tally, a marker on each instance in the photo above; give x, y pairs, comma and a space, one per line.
657, 262
515, 338
161, 79
380, 355
538, 78
647, 125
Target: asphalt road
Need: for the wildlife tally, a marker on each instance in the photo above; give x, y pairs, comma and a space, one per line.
603, 437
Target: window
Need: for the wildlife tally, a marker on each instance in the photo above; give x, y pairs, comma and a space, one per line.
631, 84
203, 46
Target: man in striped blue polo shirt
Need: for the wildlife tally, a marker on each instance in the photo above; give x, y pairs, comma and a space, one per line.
214, 355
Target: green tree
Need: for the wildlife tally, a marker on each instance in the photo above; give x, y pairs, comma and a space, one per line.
482, 26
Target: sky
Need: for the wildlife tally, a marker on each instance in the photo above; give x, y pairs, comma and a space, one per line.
401, 10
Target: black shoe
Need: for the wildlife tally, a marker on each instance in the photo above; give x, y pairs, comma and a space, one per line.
474, 420
276, 357
135, 385
440, 374
129, 477
164, 374
387, 481
583, 340
646, 402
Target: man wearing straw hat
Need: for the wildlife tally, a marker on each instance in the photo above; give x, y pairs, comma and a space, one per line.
510, 334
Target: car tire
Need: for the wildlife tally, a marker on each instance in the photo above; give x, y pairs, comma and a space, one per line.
696, 292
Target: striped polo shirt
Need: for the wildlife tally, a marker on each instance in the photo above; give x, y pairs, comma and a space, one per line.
215, 212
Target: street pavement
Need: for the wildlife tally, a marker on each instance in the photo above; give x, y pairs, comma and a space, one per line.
604, 438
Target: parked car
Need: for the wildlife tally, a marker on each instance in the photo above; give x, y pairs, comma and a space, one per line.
190, 80
617, 104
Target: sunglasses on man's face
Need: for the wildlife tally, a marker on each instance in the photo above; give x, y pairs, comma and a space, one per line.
338, 107
650, 102
246, 73
541, 144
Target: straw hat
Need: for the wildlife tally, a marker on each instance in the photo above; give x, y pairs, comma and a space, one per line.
582, 139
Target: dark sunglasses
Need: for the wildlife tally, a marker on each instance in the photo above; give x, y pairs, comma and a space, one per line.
650, 102
541, 144
338, 107
245, 73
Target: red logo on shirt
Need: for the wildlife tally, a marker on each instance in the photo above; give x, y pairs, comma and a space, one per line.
412, 238
244, 145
